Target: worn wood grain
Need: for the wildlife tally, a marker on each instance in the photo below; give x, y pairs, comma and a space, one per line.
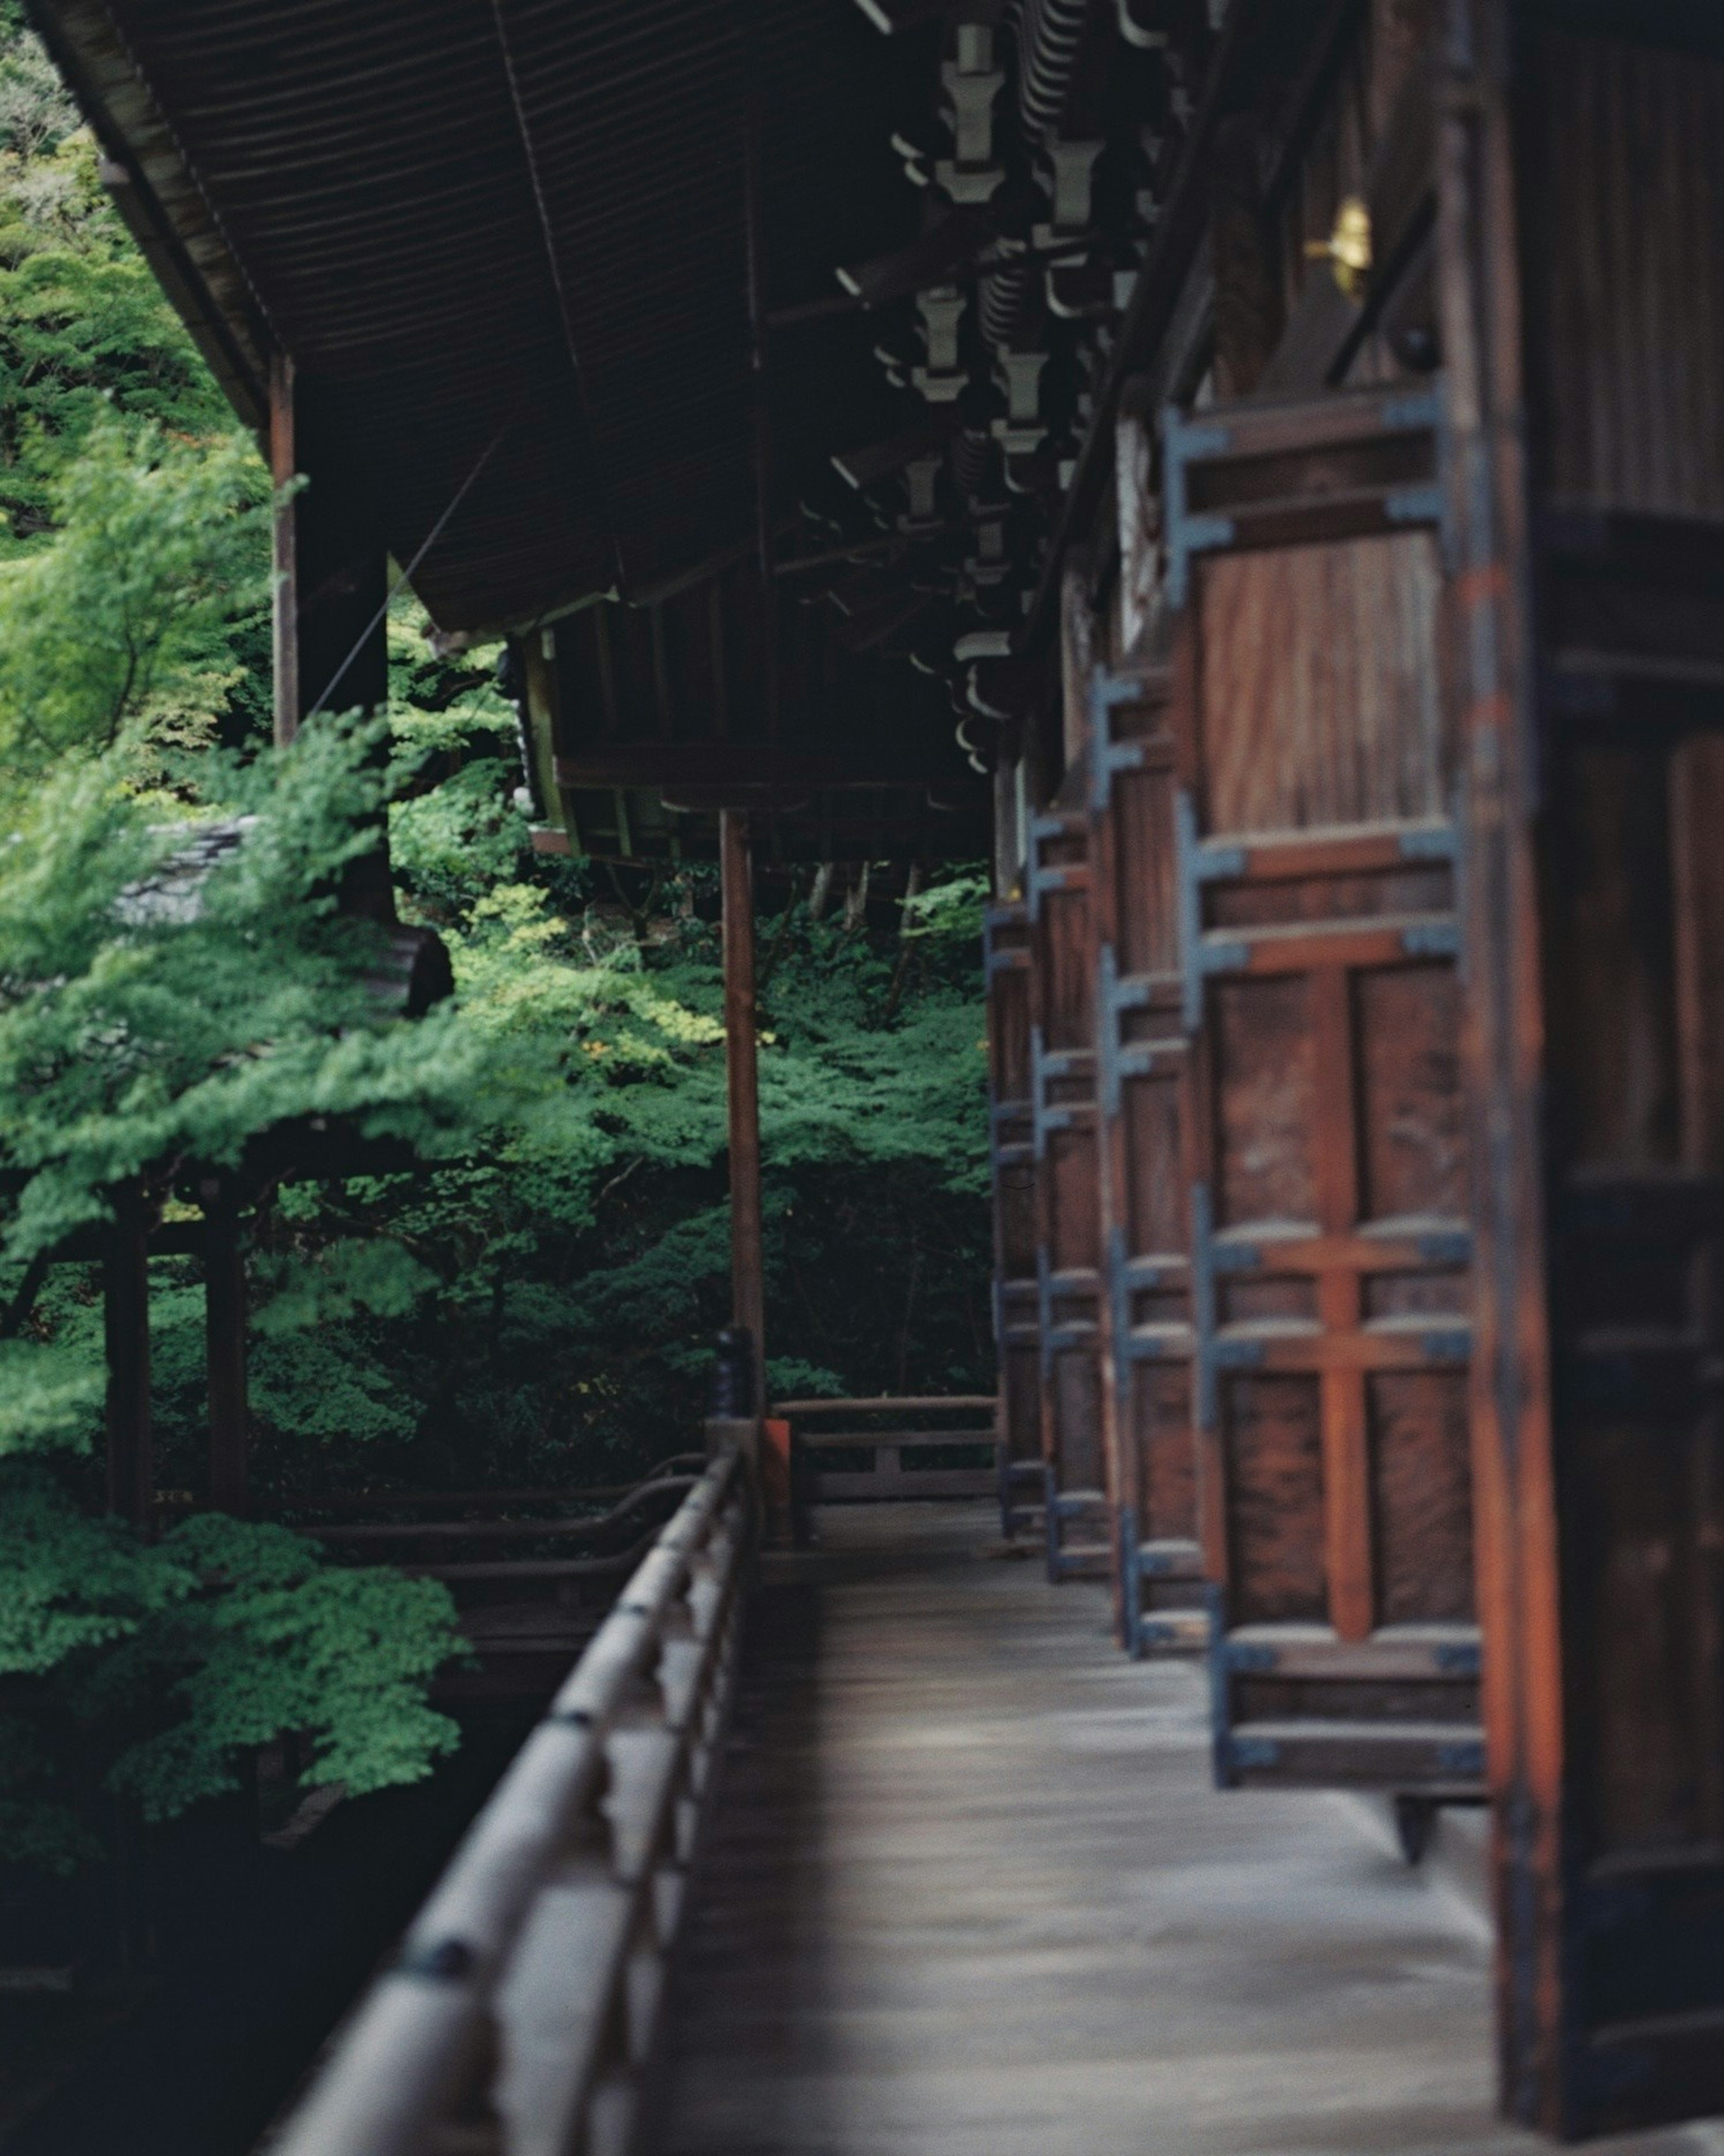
1320, 700
1421, 1495
1265, 1058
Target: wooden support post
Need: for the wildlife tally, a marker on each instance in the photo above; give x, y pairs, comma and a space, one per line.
284, 553
224, 1337
125, 1286
747, 1288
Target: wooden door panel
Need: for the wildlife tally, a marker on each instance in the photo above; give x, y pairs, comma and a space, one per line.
1145, 1165
1413, 1161
1273, 1434
1421, 1495
1317, 935
1265, 1057
1351, 735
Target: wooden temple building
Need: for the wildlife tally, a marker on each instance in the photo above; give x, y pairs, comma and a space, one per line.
1253, 471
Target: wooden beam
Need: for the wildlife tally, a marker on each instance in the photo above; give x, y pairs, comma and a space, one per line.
126, 1290
224, 1336
743, 1078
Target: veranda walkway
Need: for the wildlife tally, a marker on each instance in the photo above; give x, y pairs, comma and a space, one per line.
969, 1892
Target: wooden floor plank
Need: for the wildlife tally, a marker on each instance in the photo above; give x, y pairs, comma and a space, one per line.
969, 1892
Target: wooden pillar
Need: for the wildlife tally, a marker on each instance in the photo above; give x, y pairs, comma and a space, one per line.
224, 1337
284, 553
125, 1288
743, 1078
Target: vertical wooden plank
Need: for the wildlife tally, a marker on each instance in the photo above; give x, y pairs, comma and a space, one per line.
125, 1311
743, 1089
224, 1343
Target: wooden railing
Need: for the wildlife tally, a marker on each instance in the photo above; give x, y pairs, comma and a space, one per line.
523, 2008
852, 1465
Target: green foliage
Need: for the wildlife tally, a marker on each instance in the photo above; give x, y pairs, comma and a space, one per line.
121, 617
381, 1278
951, 908
582, 1259
85, 329
161, 1010
158, 1666
270, 1637
170, 1016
